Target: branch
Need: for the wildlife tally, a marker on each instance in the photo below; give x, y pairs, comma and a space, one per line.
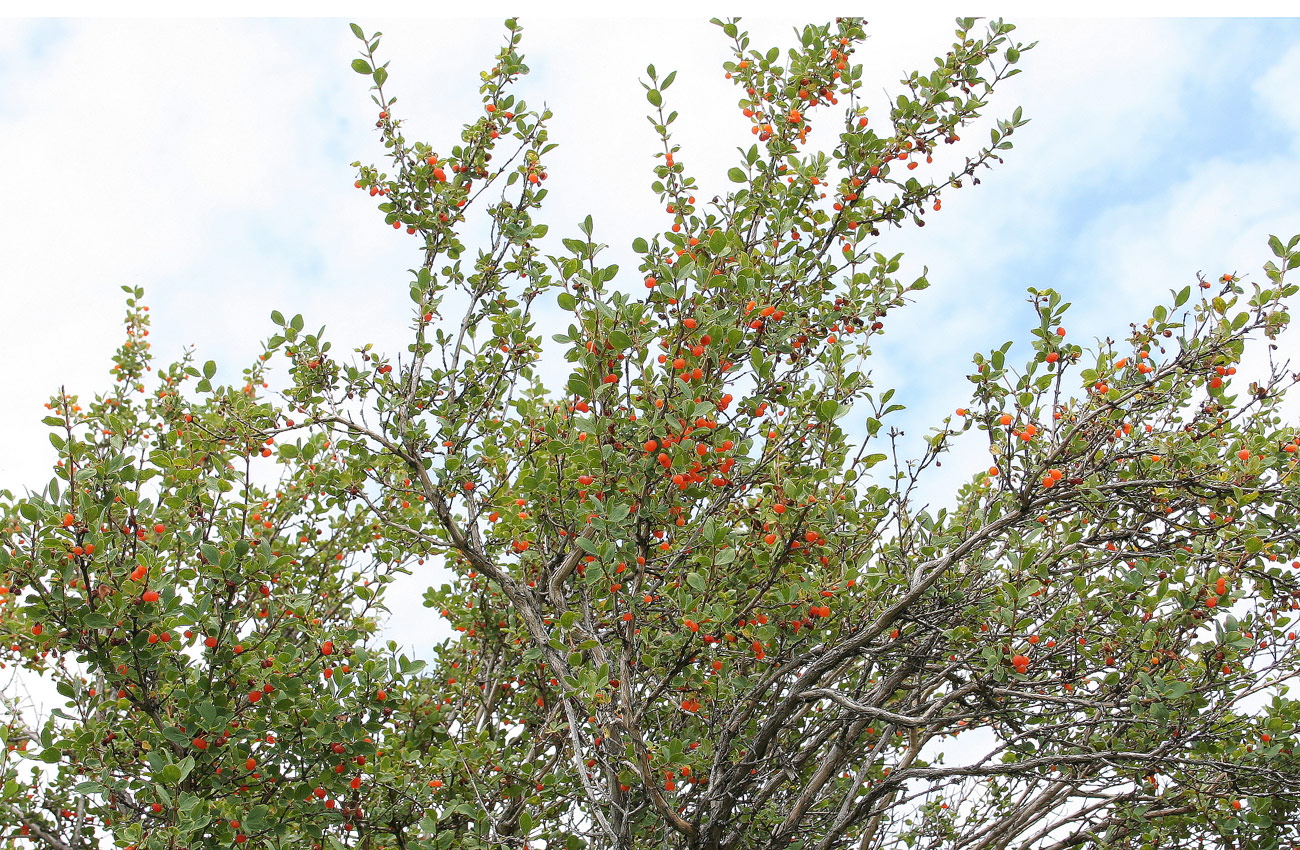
51, 841
888, 716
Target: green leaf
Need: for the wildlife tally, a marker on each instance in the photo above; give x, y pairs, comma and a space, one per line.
566, 301
379, 76
256, 819
737, 176
654, 97
357, 31
361, 66
578, 386
176, 736
639, 245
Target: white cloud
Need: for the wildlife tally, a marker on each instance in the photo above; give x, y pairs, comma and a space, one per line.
1275, 90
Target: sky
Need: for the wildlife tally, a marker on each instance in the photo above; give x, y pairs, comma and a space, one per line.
209, 161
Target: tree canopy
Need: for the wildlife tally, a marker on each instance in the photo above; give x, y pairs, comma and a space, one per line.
696, 601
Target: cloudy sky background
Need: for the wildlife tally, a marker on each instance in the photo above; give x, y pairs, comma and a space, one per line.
208, 161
